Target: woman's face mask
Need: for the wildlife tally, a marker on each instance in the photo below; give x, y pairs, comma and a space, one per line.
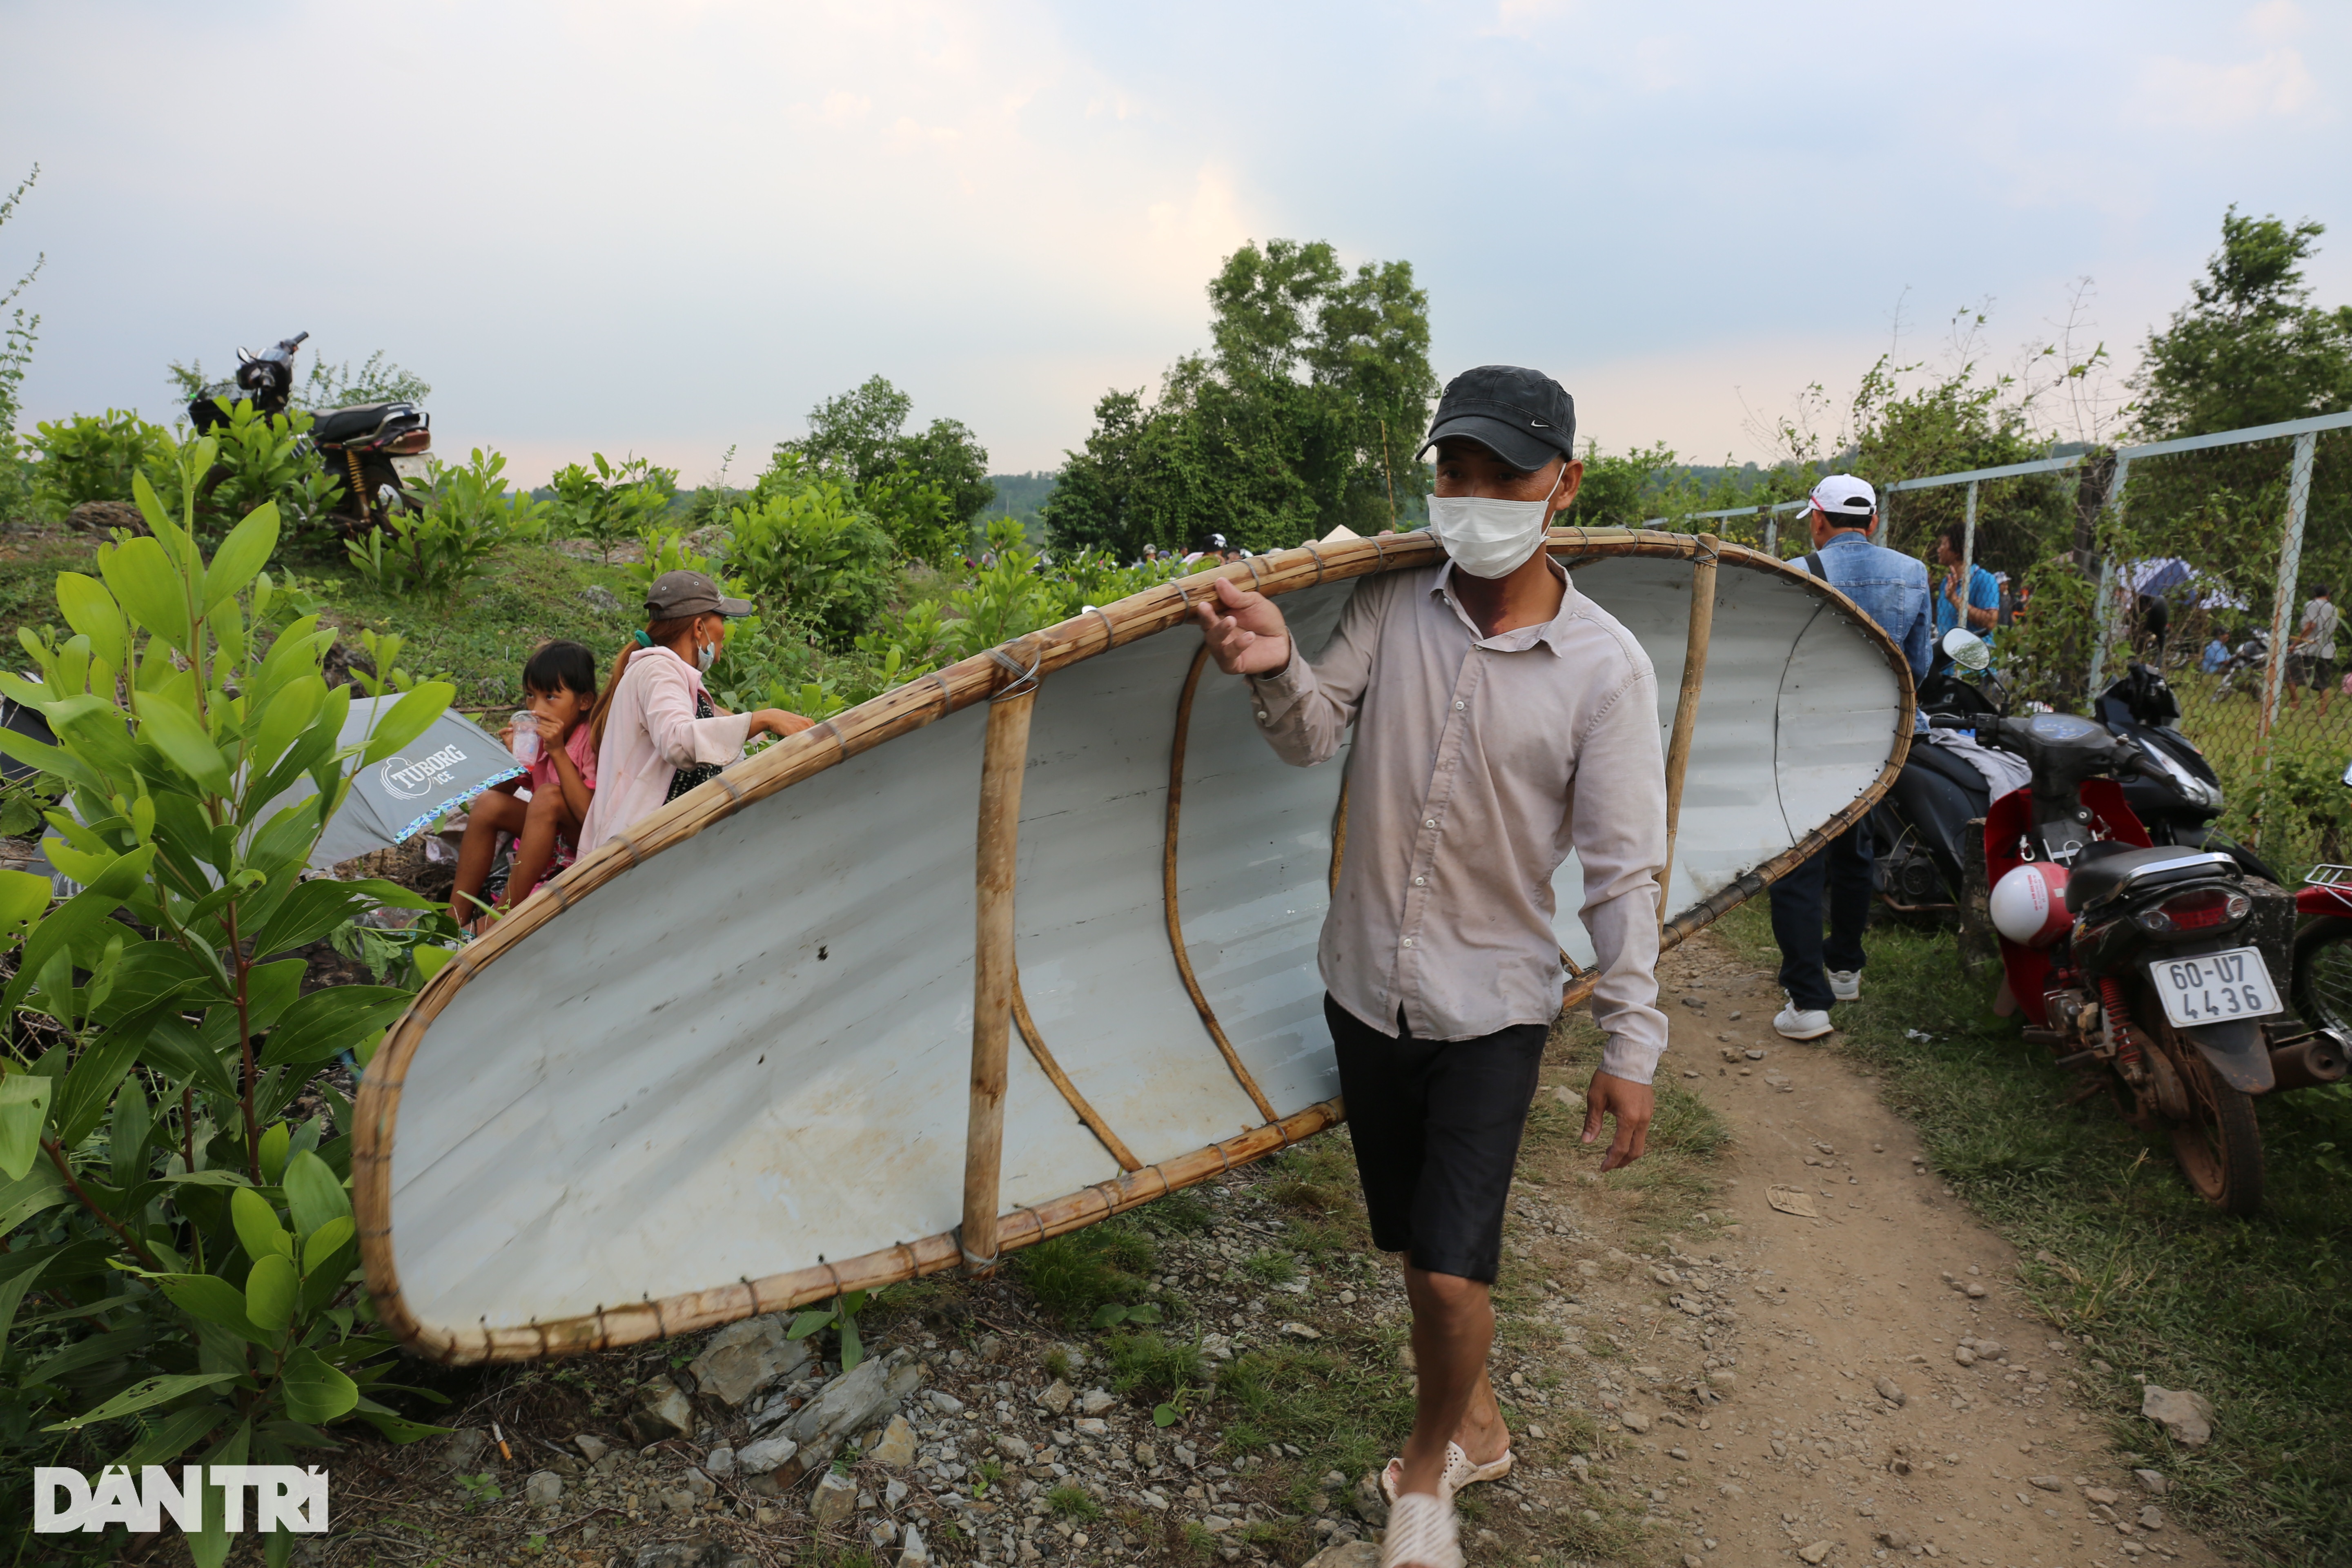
706, 654
1490, 538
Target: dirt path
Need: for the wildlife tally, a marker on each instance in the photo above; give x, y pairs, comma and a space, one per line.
1849, 1421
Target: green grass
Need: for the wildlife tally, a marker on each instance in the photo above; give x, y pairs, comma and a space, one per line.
2253, 1314
1346, 1408
479, 641
1072, 1503
1072, 1275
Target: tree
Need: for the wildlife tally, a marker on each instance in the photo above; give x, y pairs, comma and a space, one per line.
860, 439
1303, 414
1093, 506
2248, 348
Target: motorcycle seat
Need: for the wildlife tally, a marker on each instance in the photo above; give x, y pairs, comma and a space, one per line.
2093, 881
1945, 764
361, 419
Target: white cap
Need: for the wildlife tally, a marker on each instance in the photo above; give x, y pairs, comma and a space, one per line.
1846, 499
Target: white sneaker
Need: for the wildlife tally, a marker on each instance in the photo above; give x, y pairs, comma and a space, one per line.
1845, 985
1795, 1023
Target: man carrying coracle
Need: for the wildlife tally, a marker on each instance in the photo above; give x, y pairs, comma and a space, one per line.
1502, 719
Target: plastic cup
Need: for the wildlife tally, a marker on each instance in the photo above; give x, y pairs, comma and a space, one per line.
526, 736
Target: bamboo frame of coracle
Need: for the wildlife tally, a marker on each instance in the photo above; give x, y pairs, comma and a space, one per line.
1008, 676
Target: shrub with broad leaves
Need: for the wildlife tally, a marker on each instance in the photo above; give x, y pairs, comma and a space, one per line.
179, 1274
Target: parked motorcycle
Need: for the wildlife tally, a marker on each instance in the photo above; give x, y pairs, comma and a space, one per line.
1920, 830
2244, 673
2153, 967
2322, 944
373, 448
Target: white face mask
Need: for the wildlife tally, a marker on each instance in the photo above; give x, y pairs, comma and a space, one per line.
1489, 537
706, 654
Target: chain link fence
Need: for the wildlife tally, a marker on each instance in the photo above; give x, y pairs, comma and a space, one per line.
2220, 560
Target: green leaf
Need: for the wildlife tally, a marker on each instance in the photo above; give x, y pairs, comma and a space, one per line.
287, 714
38, 1189
275, 1139
1149, 1312
257, 1230
409, 718
175, 732
90, 1086
311, 910
127, 1144
23, 897
430, 959
808, 1324
24, 1111
91, 611
209, 1546
397, 1428
1109, 1315
315, 1392
1163, 1416
852, 1351
212, 1299
175, 1434
324, 1025
314, 1196
143, 1396
12, 1295
320, 1247
243, 553
269, 1292
149, 586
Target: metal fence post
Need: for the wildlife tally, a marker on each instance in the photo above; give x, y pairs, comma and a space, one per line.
1771, 532
2298, 494
1968, 563
2104, 622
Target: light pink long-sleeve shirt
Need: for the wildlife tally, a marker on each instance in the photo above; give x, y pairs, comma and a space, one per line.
650, 733
1480, 762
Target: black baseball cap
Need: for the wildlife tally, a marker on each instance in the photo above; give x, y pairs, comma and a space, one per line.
676, 594
1523, 417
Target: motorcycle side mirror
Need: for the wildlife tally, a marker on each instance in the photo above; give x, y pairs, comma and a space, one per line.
2347, 773
1967, 649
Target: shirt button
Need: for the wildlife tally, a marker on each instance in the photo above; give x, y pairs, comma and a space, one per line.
1261, 715
1458, 705
1420, 882
1408, 941
1431, 823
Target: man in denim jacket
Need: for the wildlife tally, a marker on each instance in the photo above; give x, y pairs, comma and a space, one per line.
1892, 589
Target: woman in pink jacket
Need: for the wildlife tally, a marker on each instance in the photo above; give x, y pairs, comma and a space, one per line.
658, 733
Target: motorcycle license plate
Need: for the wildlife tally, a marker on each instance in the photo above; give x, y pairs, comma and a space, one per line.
419, 468
2215, 987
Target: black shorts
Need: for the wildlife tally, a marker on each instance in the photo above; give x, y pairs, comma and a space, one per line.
1436, 1127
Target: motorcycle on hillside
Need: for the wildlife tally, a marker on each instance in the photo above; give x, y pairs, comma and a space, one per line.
2155, 969
374, 448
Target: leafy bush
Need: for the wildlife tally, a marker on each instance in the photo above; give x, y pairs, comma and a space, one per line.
617, 502
808, 552
666, 551
258, 460
468, 514
92, 456
196, 1248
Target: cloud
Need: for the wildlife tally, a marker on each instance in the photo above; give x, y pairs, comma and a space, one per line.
2209, 95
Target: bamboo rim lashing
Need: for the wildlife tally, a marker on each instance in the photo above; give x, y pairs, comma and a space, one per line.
1027, 662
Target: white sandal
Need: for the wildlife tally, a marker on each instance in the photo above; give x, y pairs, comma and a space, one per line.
1459, 1473
1421, 1534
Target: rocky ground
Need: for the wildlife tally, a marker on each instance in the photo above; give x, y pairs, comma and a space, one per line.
1777, 1339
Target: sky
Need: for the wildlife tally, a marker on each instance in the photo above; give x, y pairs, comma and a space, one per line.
673, 228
